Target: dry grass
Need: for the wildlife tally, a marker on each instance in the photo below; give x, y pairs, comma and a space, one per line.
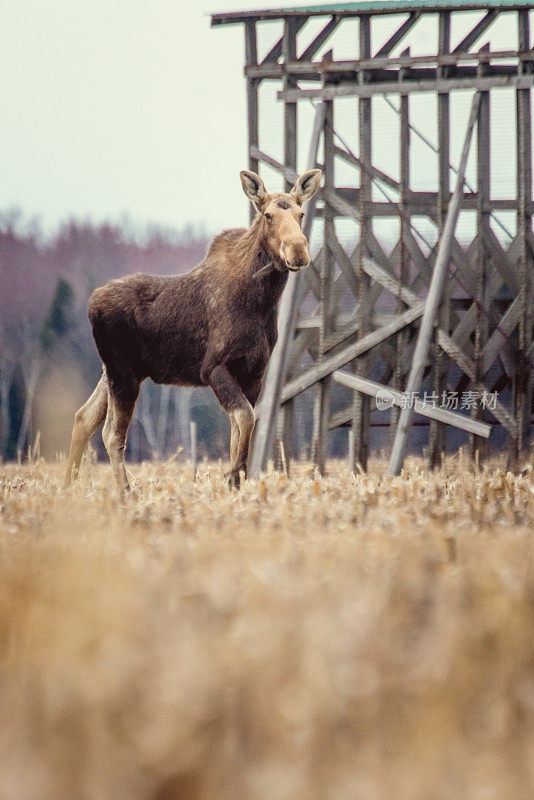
348, 638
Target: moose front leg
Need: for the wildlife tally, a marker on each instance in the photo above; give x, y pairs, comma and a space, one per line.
119, 415
243, 419
241, 414
234, 437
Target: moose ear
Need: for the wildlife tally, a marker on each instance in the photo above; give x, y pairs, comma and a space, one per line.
253, 186
306, 186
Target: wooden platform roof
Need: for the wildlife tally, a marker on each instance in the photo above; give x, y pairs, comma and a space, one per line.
370, 7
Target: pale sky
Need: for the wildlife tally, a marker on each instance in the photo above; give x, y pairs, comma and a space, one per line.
122, 106
136, 107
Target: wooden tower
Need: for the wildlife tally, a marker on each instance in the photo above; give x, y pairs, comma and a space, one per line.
459, 319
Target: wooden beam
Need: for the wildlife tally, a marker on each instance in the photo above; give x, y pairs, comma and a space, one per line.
469, 40
417, 203
499, 337
321, 38
343, 261
277, 49
399, 34
274, 53
422, 204
501, 259
459, 65
340, 359
397, 398
433, 299
304, 340
468, 368
348, 10
466, 325
340, 205
389, 282
289, 173
350, 89
374, 172
340, 419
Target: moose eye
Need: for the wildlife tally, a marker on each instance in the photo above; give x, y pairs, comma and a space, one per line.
268, 216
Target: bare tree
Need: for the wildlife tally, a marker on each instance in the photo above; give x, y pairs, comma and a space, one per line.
8, 365
31, 359
144, 416
182, 417
163, 419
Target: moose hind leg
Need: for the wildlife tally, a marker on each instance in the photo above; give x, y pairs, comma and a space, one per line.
241, 414
119, 416
86, 420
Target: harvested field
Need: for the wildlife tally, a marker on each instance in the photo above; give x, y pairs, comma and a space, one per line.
345, 638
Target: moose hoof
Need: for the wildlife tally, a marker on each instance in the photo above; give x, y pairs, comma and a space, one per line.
234, 478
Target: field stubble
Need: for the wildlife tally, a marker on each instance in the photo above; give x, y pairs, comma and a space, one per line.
345, 638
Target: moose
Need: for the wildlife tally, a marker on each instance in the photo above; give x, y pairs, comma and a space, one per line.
215, 326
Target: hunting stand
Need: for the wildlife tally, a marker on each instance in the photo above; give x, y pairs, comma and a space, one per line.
458, 316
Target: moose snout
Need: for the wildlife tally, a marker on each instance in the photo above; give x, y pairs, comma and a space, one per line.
295, 254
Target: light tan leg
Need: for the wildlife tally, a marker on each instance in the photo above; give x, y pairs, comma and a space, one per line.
234, 438
114, 435
86, 421
246, 421
243, 419
240, 412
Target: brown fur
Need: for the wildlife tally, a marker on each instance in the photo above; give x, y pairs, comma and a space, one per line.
215, 326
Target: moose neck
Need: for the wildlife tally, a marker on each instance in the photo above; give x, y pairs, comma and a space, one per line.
271, 284
266, 275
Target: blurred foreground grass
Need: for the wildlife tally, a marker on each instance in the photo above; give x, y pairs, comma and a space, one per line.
344, 638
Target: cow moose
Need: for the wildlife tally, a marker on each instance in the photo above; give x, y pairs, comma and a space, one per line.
215, 326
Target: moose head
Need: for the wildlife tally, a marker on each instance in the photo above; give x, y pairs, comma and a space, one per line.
280, 217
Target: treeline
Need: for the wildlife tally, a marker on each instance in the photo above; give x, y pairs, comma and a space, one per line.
48, 361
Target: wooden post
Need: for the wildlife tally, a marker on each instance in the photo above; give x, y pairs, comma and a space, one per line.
437, 437
289, 54
324, 386
432, 301
404, 263
251, 60
282, 445
361, 406
352, 465
477, 446
522, 399
193, 435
